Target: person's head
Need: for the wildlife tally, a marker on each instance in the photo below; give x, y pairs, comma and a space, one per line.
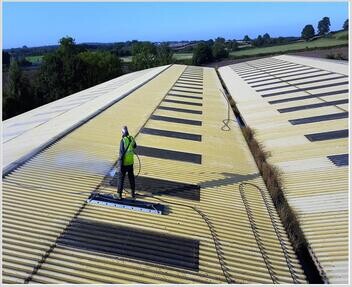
124, 131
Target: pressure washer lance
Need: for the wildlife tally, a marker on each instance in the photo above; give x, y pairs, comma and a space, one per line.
226, 122
114, 170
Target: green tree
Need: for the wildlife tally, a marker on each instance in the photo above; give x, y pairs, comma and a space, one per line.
308, 32
231, 45
68, 46
209, 42
234, 45
247, 39
99, 67
6, 57
345, 25
23, 62
144, 55
259, 41
266, 39
219, 50
61, 72
122, 49
17, 96
324, 26
220, 40
164, 55
202, 54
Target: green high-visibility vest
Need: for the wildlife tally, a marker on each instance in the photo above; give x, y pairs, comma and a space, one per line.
128, 143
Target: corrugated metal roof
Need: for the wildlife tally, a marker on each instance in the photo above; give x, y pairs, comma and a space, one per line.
315, 187
25, 133
226, 235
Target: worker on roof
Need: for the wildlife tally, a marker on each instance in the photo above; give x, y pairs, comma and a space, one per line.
125, 162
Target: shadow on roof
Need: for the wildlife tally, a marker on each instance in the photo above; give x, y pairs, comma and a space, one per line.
230, 178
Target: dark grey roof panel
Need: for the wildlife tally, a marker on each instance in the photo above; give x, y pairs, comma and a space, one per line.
339, 159
313, 106
169, 154
308, 97
316, 119
305, 89
327, 135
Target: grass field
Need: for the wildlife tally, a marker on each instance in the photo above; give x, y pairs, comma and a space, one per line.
319, 43
126, 59
35, 59
335, 40
338, 39
176, 56
182, 56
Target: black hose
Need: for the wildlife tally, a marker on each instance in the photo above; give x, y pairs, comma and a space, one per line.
258, 238
217, 242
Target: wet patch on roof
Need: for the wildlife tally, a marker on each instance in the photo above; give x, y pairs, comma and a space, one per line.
180, 110
138, 244
321, 118
171, 134
327, 135
308, 97
183, 102
107, 200
339, 159
155, 186
176, 120
169, 154
305, 89
312, 106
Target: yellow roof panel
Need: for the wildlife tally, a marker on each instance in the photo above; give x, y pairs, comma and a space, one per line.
315, 186
227, 236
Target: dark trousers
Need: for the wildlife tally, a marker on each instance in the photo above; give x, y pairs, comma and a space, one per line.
121, 178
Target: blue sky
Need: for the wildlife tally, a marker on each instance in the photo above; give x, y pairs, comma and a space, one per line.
36, 24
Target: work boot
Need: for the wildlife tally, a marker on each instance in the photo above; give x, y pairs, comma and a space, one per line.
117, 196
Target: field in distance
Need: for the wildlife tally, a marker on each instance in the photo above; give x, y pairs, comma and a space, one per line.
36, 60
338, 39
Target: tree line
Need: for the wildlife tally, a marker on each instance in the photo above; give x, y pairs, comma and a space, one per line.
323, 29
69, 69
208, 51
